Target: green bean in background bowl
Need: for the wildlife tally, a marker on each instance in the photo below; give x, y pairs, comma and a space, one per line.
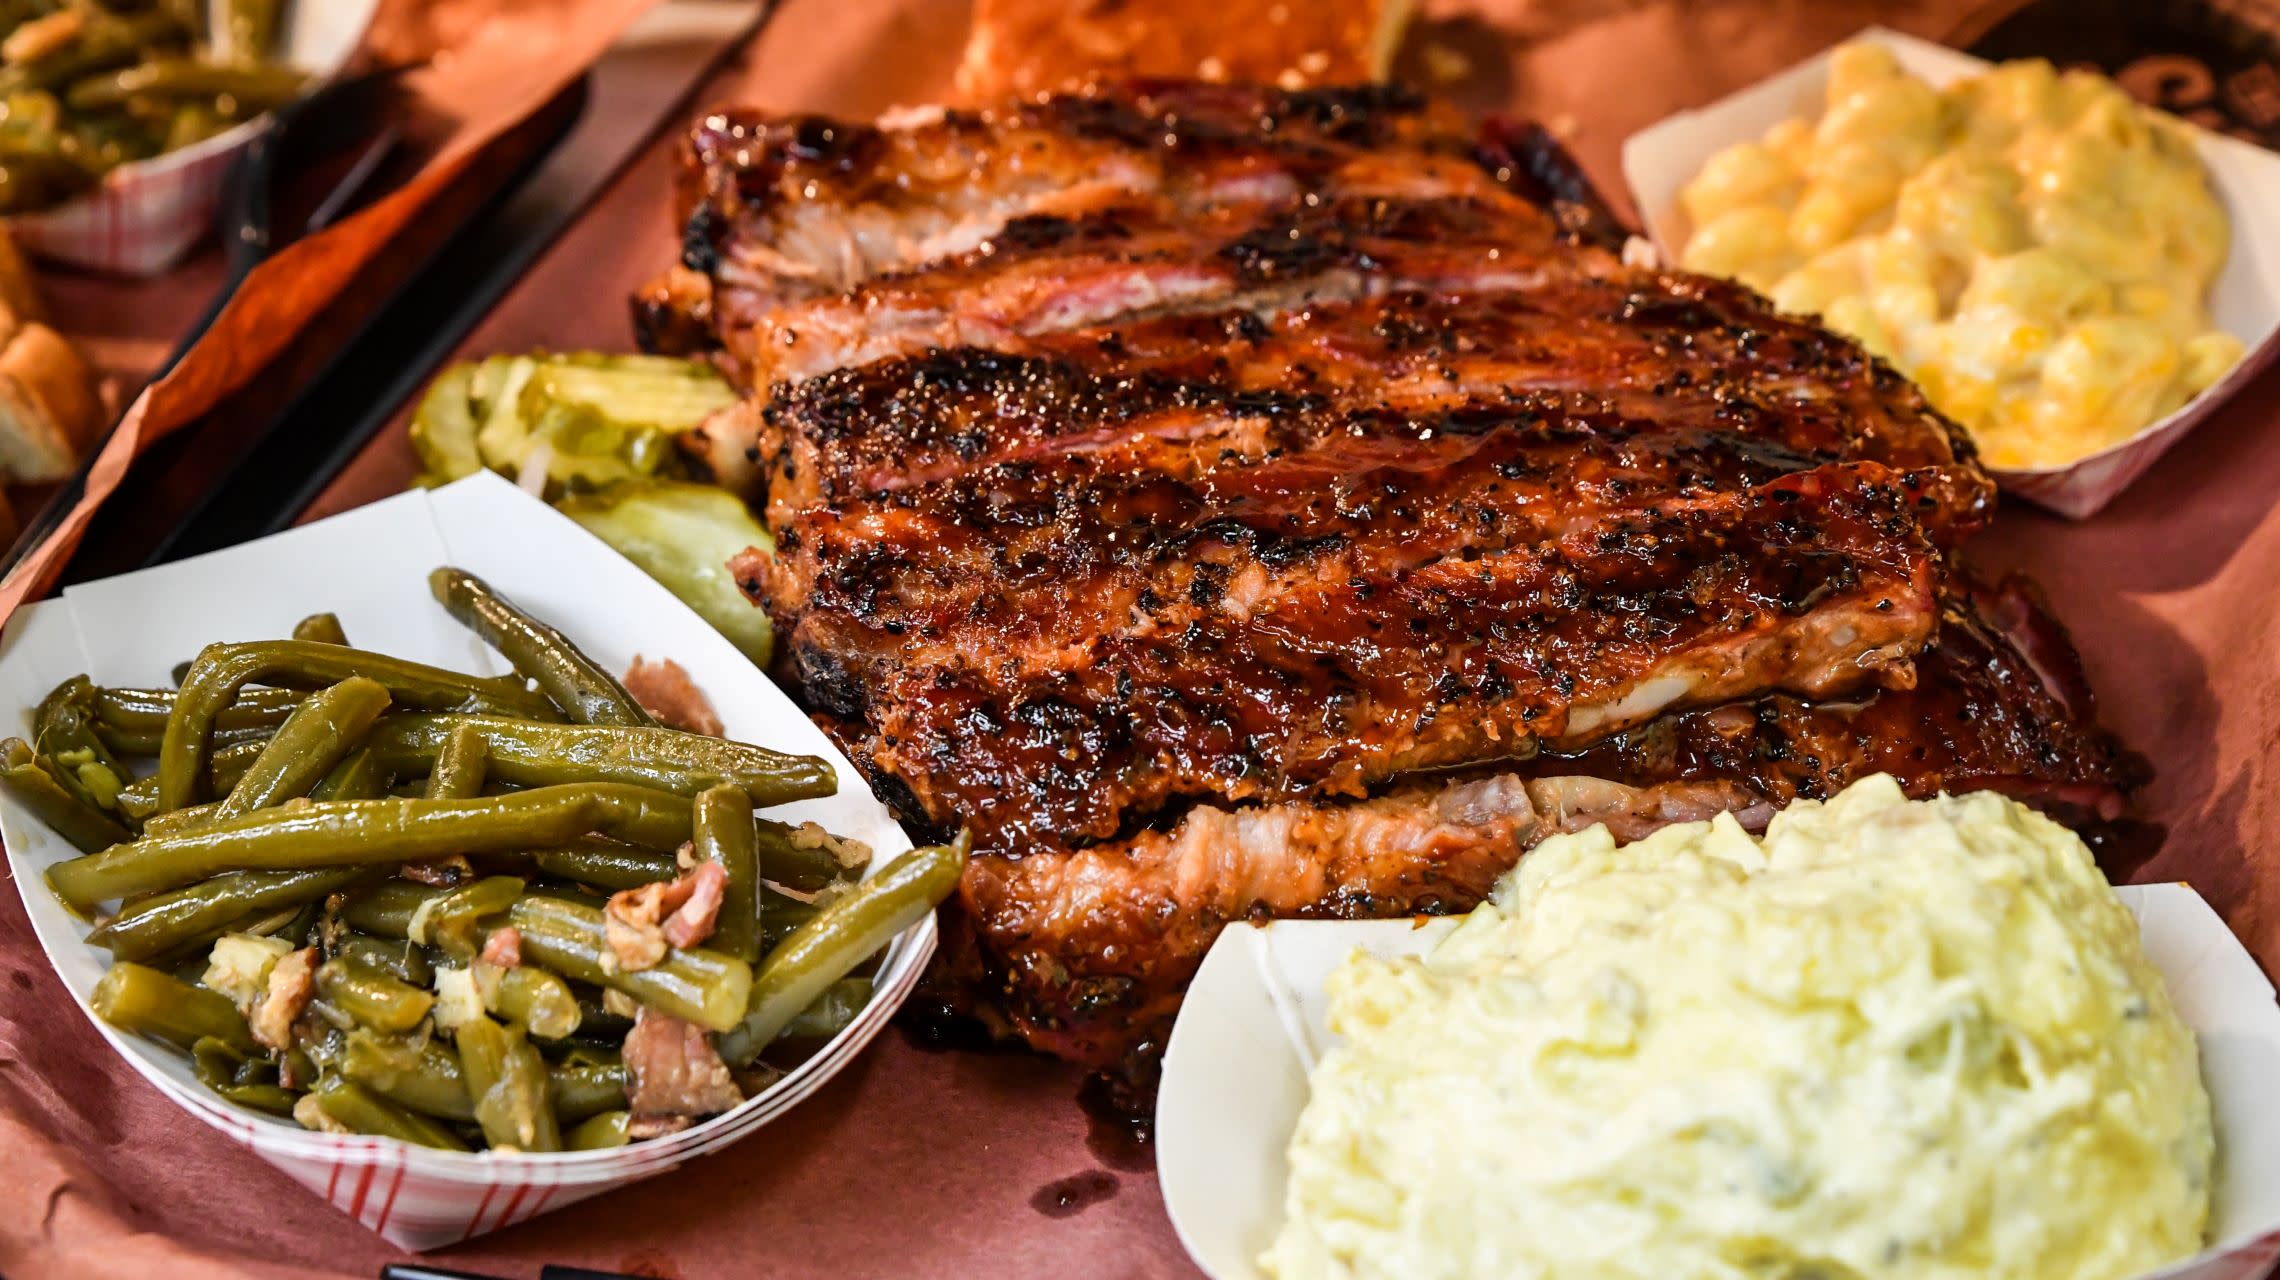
89, 86
121, 120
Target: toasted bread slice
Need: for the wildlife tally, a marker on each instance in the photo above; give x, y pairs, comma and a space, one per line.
50, 410
1021, 47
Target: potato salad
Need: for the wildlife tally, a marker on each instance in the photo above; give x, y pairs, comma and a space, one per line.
2033, 247
1894, 1038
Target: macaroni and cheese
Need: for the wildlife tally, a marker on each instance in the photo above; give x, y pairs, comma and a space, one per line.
2033, 247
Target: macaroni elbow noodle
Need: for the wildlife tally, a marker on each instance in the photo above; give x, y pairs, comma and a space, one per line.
2030, 245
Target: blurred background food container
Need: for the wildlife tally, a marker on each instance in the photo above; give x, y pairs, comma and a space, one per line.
144, 216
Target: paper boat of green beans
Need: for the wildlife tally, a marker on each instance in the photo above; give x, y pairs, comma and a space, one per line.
295, 782
91, 86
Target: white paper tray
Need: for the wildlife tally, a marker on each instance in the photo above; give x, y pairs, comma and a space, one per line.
1660, 160
370, 567
1256, 1019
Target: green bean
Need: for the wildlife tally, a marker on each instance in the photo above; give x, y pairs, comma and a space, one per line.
701, 986
134, 720
216, 1064
190, 124
421, 1075
427, 1078
97, 144
252, 25
386, 909
724, 834
841, 936
44, 36
606, 865
189, 819
297, 1066
223, 737
63, 731
369, 832
273, 1099
258, 87
586, 1053
371, 997
324, 1053
459, 766
299, 928
136, 998
356, 778
107, 41
831, 1013
536, 755
402, 959
576, 895
188, 965
576, 683
596, 1020
582, 1092
458, 773
317, 736
270, 1098
535, 1000
139, 800
38, 790
782, 915
158, 924
453, 919
600, 1133
363, 1111
795, 863
221, 670
229, 765
247, 1081
324, 628
506, 1076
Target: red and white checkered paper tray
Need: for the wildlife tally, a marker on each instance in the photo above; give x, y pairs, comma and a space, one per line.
1255, 1020
370, 567
146, 215
1660, 160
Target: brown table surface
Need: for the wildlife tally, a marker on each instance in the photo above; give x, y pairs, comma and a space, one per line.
917, 1163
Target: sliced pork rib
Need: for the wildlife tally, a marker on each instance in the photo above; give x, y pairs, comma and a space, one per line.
796, 205
1051, 275
1579, 356
1086, 952
1235, 503
1158, 650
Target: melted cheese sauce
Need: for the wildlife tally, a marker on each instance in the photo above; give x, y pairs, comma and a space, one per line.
1893, 1038
2033, 248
